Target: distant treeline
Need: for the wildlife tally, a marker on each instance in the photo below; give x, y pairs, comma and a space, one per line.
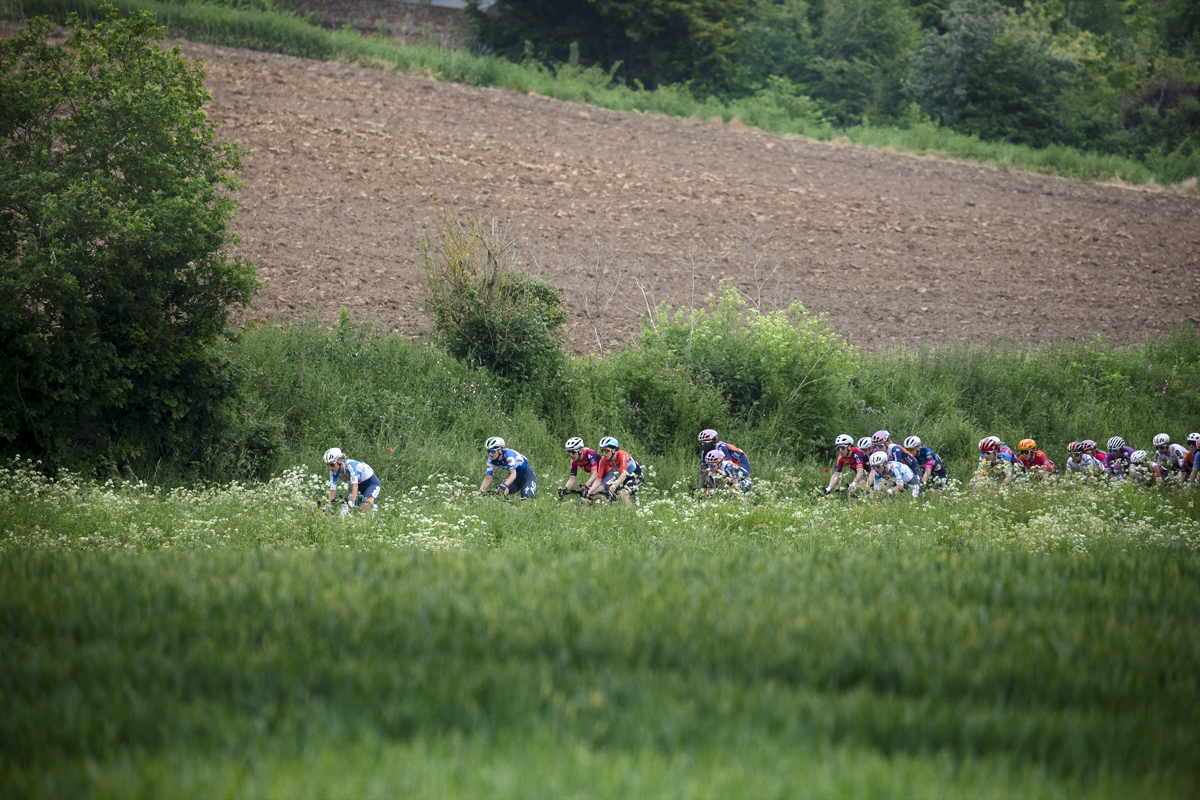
1118, 76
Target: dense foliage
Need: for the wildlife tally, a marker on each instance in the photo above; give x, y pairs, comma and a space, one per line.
1122, 77
488, 311
115, 278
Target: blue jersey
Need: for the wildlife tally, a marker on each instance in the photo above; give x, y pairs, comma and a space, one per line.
735, 455
355, 472
898, 453
510, 460
927, 458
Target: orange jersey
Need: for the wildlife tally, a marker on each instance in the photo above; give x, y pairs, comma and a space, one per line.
619, 461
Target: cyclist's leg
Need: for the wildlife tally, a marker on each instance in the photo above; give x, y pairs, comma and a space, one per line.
528, 488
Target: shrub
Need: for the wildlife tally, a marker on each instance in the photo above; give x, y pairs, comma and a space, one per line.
783, 373
488, 310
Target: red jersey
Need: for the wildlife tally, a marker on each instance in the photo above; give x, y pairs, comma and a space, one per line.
589, 459
619, 461
1037, 460
855, 458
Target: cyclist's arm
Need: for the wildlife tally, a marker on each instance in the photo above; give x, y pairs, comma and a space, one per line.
928, 472
353, 491
487, 481
833, 479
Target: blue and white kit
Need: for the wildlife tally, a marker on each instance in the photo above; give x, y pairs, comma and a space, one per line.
511, 460
360, 473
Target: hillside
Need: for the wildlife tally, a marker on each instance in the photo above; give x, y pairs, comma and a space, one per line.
346, 164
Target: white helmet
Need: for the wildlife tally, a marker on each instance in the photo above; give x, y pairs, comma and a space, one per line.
574, 443
911, 442
609, 441
1193, 438
1138, 456
1115, 443
493, 443
843, 440
878, 459
332, 455
864, 443
1161, 440
714, 456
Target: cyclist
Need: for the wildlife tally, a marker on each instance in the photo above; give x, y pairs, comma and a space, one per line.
1032, 460
994, 462
617, 472
1191, 464
892, 475
1141, 471
520, 474
724, 473
927, 460
584, 457
848, 455
1169, 458
1089, 447
882, 440
1079, 461
1118, 457
363, 481
708, 441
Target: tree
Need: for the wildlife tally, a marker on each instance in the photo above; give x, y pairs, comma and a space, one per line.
115, 280
656, 41
987, 77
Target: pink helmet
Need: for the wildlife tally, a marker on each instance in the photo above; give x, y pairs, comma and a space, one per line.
880, 437
714, 456
707, 436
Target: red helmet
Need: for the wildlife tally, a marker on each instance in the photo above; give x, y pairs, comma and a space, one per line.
989, 444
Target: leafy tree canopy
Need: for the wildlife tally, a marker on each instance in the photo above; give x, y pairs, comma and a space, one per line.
115, 281
656, 41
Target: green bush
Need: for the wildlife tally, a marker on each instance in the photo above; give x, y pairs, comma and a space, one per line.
488, 311
783, 373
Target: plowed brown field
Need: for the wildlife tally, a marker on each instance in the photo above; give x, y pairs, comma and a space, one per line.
345, 165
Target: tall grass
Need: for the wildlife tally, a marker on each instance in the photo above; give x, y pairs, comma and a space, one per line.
775, 108
177, 672
367, 391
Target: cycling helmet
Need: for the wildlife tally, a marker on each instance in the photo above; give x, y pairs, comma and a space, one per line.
864, 443
1138, 456
714, 456
911, 442
332, 455
878, 459
1162, 440
843, 440
1026, 444
1193, 438
574, 443
1088, 444
707, 436
493, 443
989, 444
1075, 447
1115, 443
880, 437
609, 441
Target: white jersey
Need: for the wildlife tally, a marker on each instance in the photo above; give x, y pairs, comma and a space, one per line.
358, 473
900, 473
1172, 459
1085, 464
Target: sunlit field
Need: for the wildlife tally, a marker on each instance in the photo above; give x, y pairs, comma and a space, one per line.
1034, 640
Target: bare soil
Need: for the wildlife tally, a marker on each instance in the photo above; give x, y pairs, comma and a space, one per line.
346, 165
